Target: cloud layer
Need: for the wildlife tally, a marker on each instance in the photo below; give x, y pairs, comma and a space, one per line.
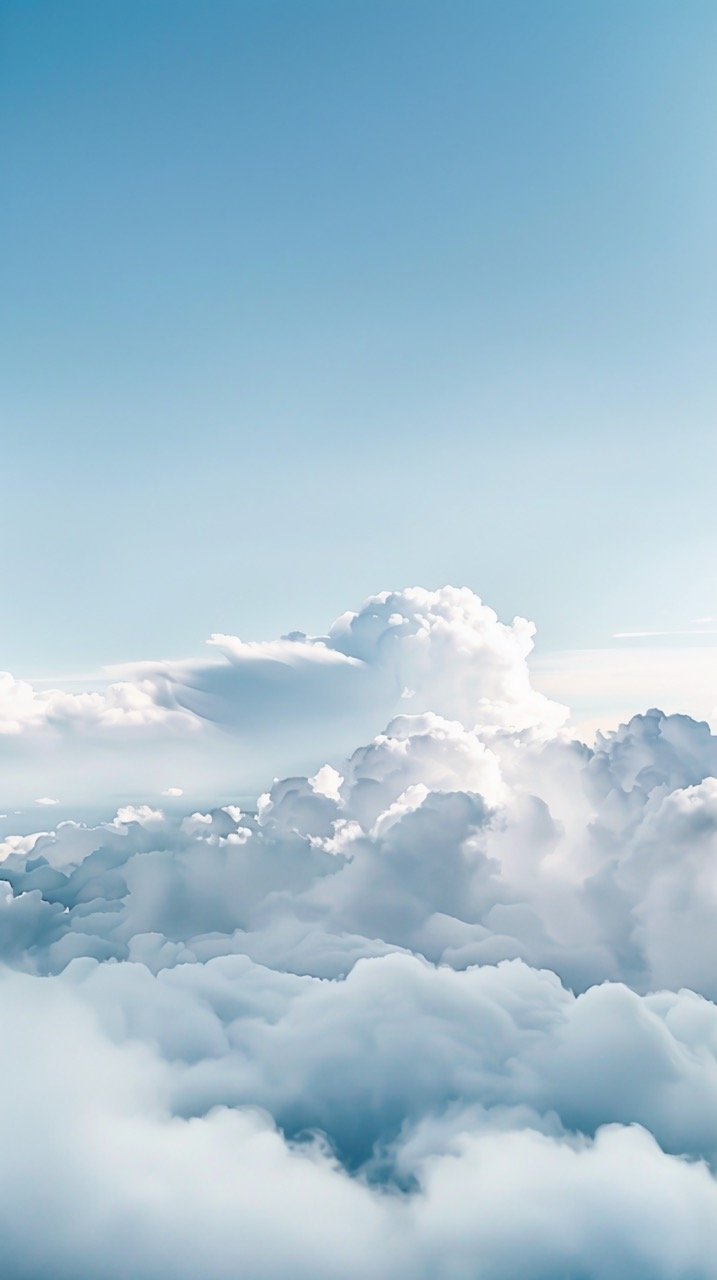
444, 1009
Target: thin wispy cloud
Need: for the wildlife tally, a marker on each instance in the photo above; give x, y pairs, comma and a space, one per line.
703, 630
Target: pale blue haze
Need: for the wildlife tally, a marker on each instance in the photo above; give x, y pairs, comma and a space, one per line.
304, 300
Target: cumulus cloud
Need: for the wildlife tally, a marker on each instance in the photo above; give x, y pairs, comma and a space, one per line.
251, 710
441, 1008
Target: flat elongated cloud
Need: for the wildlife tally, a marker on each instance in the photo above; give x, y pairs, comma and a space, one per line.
442, 1007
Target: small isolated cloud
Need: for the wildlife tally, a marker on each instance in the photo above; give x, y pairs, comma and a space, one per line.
46, 800
173, 792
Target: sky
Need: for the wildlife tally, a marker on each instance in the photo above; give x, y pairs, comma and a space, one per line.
358, 640
309, 300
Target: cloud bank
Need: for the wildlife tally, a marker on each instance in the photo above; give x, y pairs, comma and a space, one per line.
445, 1008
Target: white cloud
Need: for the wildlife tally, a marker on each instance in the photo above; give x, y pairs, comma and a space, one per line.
143, 814
444, 1007
291, 705
445, 648
122, 706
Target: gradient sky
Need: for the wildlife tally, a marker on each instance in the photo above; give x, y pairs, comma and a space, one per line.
305, 300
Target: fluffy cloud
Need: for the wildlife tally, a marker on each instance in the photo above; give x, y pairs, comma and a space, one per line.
126, 705
442, 1008
127, 1187
248, 711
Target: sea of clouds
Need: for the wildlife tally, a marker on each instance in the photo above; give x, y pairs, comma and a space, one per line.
443, 1011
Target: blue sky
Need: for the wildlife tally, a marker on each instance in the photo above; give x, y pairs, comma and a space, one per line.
305, 300
379, 950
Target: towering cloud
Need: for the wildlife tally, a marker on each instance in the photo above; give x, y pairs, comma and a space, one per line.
443, 1008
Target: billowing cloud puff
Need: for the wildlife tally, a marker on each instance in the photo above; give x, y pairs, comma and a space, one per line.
251, 710
443, 1008
444, 650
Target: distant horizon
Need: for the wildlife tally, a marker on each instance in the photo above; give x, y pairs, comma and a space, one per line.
96, 739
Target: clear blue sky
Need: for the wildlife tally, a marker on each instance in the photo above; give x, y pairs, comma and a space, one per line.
304, 300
